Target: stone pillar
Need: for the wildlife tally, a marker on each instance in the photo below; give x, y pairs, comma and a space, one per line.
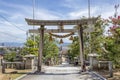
3, 66
91, 62
41, 44
32, 64
110, 68
80, 35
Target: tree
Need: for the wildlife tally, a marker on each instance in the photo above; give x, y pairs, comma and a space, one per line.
11, 53
112, 41
74, 48
96, 42
10, 56
30, 47
50, 50
97, 37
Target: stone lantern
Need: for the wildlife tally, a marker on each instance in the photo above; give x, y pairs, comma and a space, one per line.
30, 61
93, 60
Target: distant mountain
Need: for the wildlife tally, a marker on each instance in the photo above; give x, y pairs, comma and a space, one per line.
17, 44
11, 44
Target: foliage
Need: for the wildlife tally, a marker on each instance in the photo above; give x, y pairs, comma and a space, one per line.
112, 41
10, 56
50, 48
74, 48
95, 42
10, 53
97, 37
30, 47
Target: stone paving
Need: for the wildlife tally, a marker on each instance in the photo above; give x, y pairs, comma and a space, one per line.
62, 73
85, 76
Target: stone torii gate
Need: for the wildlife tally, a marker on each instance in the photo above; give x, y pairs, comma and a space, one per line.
41, 30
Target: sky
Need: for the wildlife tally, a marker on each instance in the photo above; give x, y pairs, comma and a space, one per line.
13, 27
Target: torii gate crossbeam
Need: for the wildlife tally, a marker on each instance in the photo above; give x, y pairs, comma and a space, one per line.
53, 30
59, 22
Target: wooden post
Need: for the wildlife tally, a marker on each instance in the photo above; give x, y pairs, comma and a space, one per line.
80, 35
41, 44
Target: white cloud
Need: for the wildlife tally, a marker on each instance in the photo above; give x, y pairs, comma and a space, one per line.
83, 12
105, 11
3, 11
46, 15
80, 8
72, 4
24, 11
27, 11
10, 33
17, 18
9, 37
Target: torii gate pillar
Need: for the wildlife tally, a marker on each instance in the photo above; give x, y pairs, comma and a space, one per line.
41, 46
80, 35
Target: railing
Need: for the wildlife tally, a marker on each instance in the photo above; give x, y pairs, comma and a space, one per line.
11, 65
